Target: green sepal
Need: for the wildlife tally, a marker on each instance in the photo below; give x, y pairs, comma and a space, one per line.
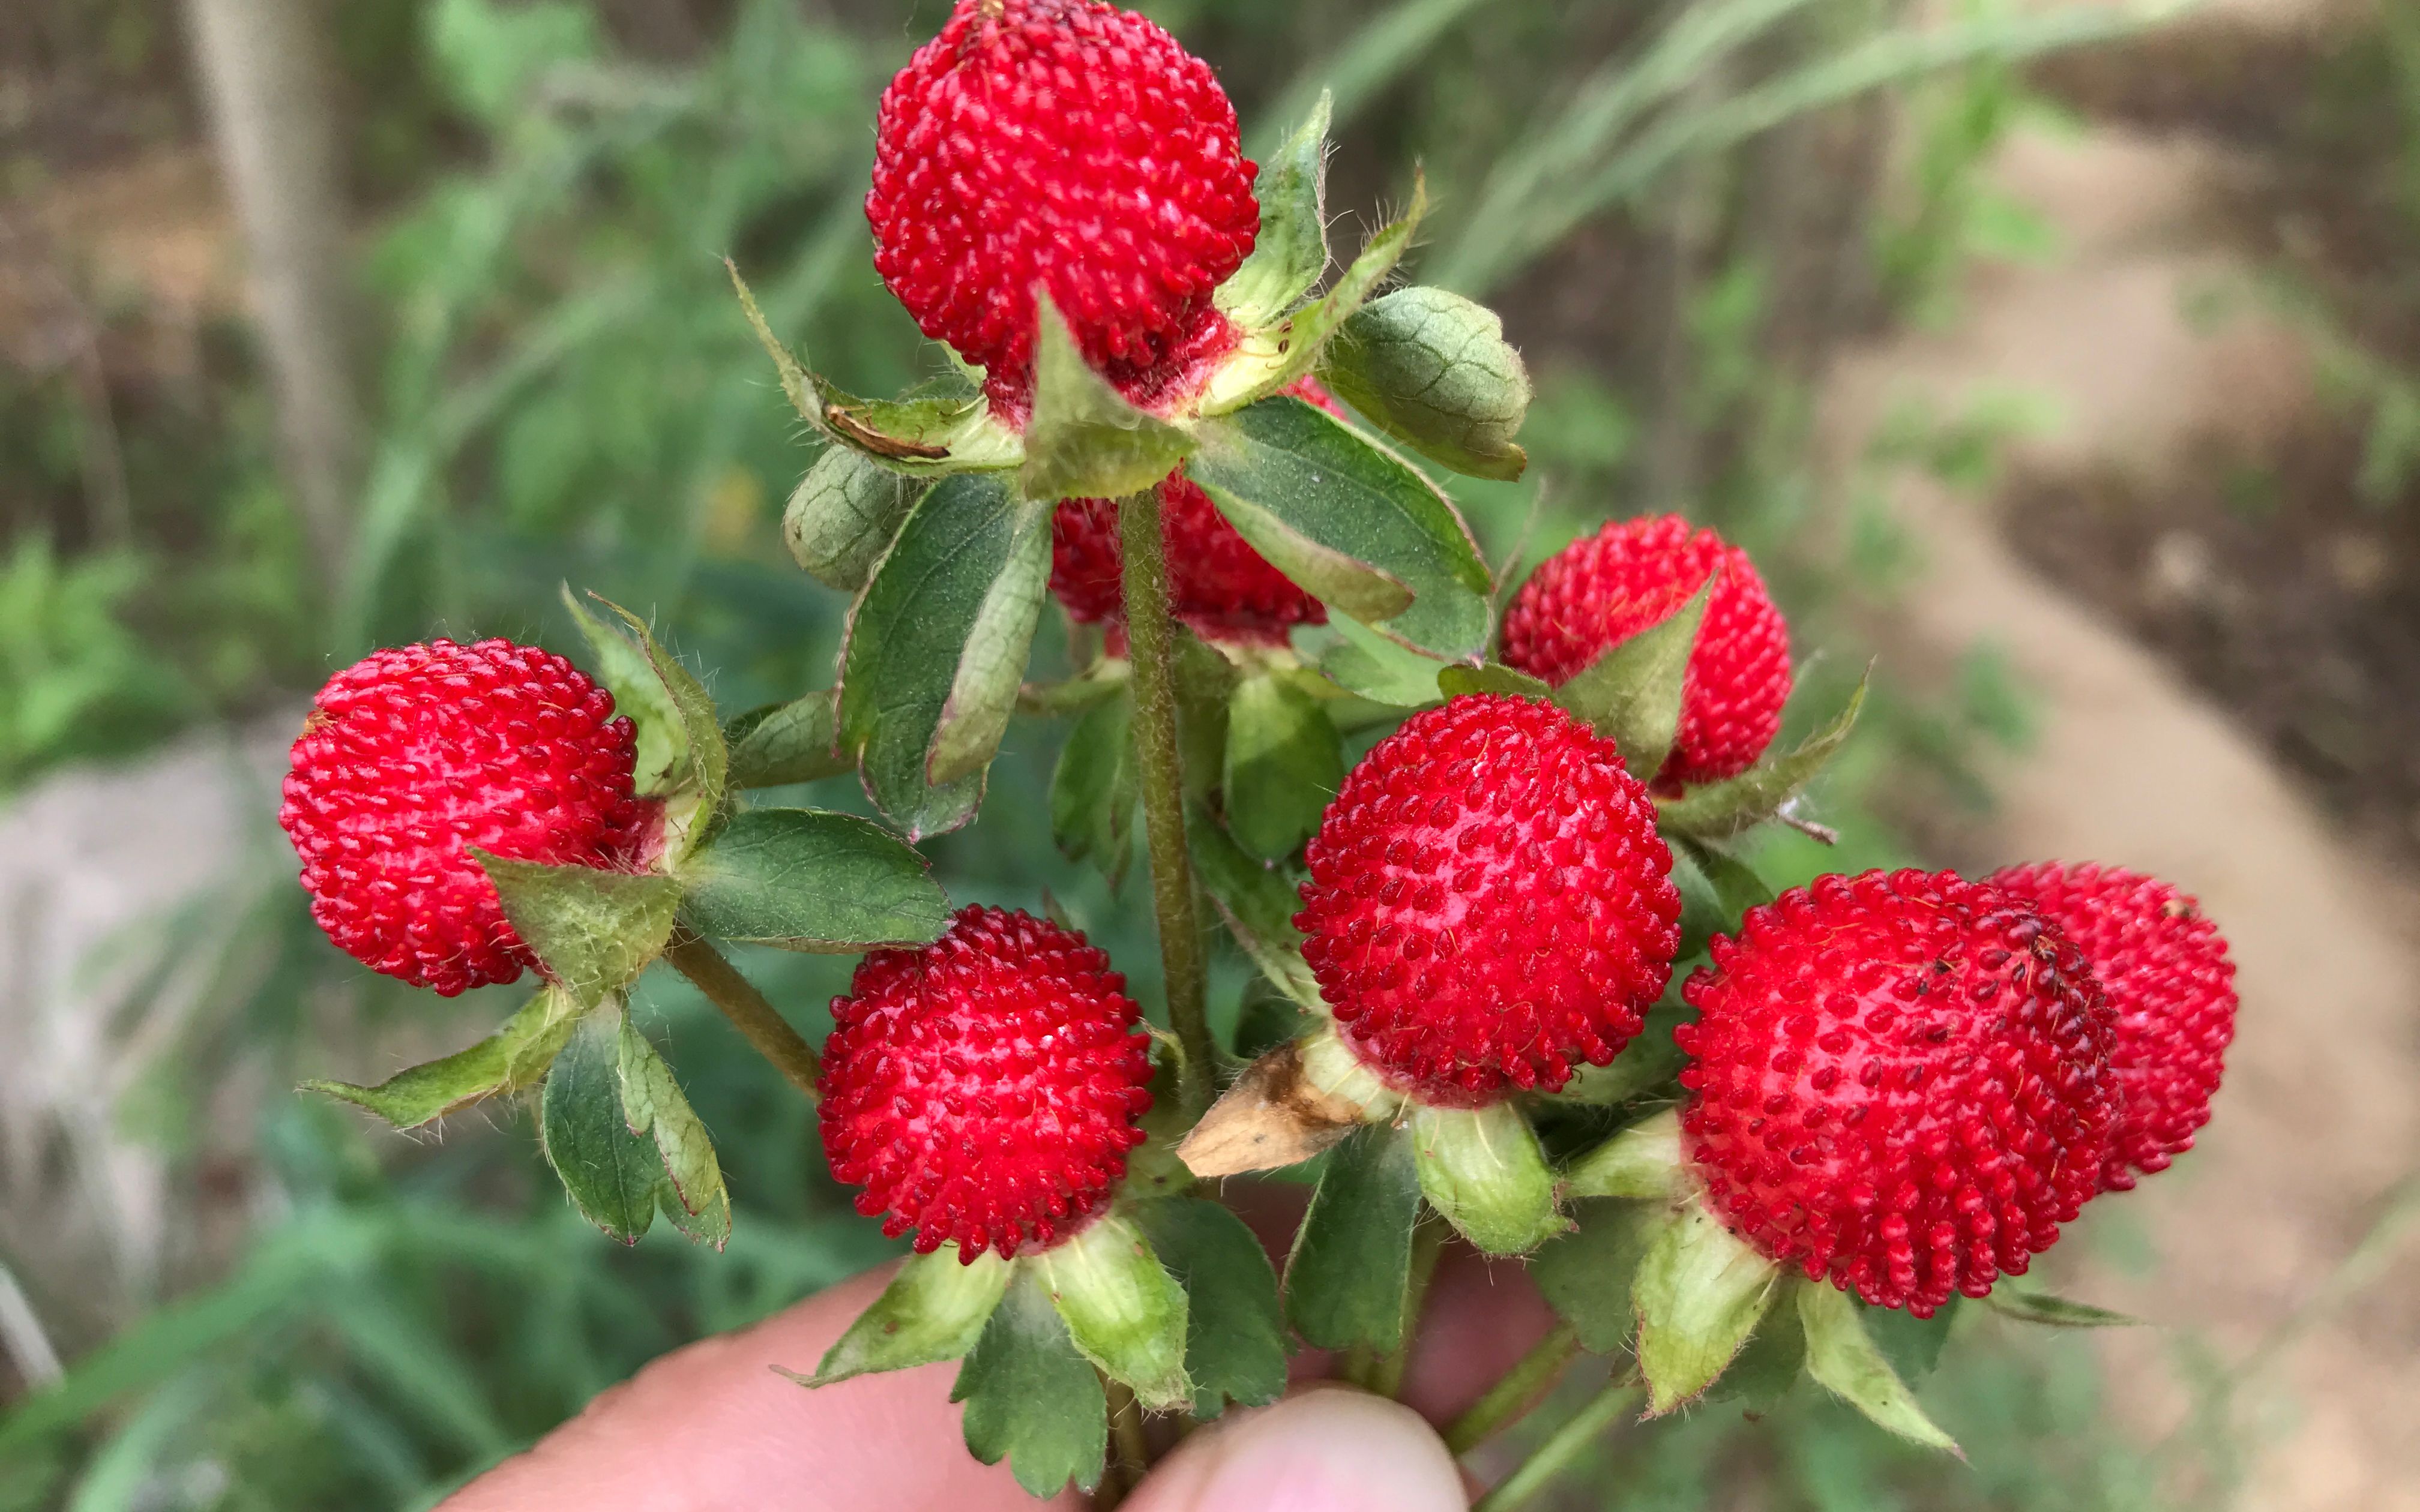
1843, 1358
1095, 789
1649, 1066
1719, 811
640, 696
513, 1057
802, 879
1084, 440
1234, 1329
1769, 1365
1642, 1161
1031, 1398
1432, 370
592, 931
1291, 254
1284, 762
1587, 1274
1344, 1279
783, 743
1455, 680
1370, 666
655, 1108
844, 514
1123, 1309
1699, 1294
707, 773
1481, 1169
2040, 1307
1258, 903
1632, 694
1716, 888
935, 1309
615, 1177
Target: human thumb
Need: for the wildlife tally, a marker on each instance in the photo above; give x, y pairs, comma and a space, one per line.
1324, 1450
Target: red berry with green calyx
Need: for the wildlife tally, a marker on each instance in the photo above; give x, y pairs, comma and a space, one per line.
1489, 906
1075, 145
1898, 1081
1633, 575
416, 756
2167, 974
984, 1089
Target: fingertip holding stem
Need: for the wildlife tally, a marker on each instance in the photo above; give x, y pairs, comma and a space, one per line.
1323, 1450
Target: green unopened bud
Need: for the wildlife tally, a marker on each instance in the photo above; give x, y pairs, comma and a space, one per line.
1700, 1294
1433, 370
1124, 1310
844, 515
1642, 1160
1482, 1170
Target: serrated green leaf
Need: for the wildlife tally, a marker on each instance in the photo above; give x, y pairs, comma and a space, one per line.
1351, 523
513, 1057
1700, 1292
1632, 694
1481, 1169
1842, 1356
1291, 255
613, 1176
640, 694
1457, 680
1432, 370
910, 636
1367, 664
991, 671
935, 1309
1084, 440
1031, 1398
1641, 1162
1235, 1331
655, 1108
1095, 789
1586, 1274
1124, 1310
1719, 811
2054, 1312
787, 743
1344, 1280
1269, 359
844, 514
1259, 903
1284, 762
806, 880
710, 758
593, 931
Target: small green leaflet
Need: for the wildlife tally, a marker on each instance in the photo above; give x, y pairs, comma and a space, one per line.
1095, 789
1235, 1339
1258, 904
935, 1309
1455, 680
1344, 1281
1632, 694
593, 930
1432, 370
785, 743
1842, 1356
615, 1178
805, 880
1291, 255
513, 1057
1366, 663
1031, 1398
1722, 809
2053, 1312
1284, 762
654, 1107
1585, 1274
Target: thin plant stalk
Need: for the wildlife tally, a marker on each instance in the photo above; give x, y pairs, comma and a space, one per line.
739, 1000
1520, 1389
1129, 1451
1565, 1444
1386, 1373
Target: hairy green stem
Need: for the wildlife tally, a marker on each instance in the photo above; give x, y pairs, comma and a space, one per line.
1565, 1444
1151, 638
1385, 1374
746, 1008
1510, 1400
1130, 1452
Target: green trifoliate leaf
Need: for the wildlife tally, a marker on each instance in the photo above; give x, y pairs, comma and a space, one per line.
1432, 370
1632, 694
1084, 440
593, 930
1699, 1294
654, 1107
513, 1057
615, 1178
1124, 1310
663, 761
1367, 664
1351, 523
1455, 680
785, 743
1097, 788
1843, 1357
935, 1309
1642, 1160
1291, 255
1032, 1399
1259, 903
1482, 1170
1235, 1332
709, 759
806, 880
1344, 1281
2054, 1312
936, 647
1722, 809
1587, 1274
1284, 762
844, 514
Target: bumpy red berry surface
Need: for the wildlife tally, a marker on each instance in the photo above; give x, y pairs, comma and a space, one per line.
1635, 574
1218, 584
1489, 904
984, 1089
1900, 1081
2167, 974
1073, 144
415, 756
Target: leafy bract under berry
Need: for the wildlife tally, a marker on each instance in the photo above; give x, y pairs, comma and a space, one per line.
2166, 971
1633, 575
1071, 145
417, 755
984, 1089
1489, 905
1900, 1081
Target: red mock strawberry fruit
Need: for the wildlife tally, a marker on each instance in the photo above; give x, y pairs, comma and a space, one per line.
1900, 1081
1073, 144
1489, 904
1633, 575
984, 1088
412, 758
2167, 974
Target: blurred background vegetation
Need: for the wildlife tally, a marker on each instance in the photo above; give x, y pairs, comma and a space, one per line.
1687, 211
